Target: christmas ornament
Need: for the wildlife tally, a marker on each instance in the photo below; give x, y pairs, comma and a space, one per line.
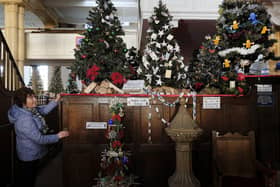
248, 44
154, 36
165, 27
235, 25
157, 21
217, 40
253, 18
161, 33
93, 72
168, 74
265, 30
170, 37
227, 63
208, 37
159, 82
110, 122
84, 56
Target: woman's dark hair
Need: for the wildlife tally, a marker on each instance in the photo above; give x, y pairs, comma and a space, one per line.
21, 95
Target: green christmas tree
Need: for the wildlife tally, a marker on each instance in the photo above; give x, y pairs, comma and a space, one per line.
56, 85
101, 54
241, 45
72, 87
244, 29
205, 67
162, 64
35, 81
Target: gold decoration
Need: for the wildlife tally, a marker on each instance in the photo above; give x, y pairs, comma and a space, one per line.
217, 40
227, 63
248, 44
265, 30
235, 25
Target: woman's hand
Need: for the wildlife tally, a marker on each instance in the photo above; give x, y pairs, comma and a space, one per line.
63, 134
58, 97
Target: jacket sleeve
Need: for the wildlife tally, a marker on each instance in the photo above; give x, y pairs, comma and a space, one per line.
28, 128
45, 109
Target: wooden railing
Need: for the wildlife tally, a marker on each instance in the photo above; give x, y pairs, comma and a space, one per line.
10, 77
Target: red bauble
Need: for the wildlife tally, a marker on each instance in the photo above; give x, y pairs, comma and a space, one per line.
225, 78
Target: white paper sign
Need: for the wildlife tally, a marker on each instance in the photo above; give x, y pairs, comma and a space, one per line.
138, 101
264, 87
96, 125
134, 85
211, 103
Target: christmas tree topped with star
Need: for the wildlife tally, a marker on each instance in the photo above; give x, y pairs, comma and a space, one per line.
101, 53
162, 64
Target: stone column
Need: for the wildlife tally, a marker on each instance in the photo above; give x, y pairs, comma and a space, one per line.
11, 26
21, 40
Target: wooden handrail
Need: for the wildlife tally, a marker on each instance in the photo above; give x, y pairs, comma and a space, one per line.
10, 77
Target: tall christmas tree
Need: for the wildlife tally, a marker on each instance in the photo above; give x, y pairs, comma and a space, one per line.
35, 81
101, 54
72, 87
162, 64
56, 85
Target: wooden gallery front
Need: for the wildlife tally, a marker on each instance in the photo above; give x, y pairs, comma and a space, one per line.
155, 161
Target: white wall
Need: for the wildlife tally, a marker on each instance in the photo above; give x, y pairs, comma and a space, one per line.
185, 9
60, 46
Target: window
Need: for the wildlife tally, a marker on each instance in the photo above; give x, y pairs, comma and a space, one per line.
43, 72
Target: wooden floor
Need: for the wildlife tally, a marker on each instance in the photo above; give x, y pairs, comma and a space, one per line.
51, 174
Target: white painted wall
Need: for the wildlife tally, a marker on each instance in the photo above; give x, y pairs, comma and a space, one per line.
184, 9
60, 46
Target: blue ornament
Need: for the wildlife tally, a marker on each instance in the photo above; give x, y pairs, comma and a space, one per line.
110, 122
125, 160
253, 18
277, 66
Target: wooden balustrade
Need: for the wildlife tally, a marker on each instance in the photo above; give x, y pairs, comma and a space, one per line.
10, 77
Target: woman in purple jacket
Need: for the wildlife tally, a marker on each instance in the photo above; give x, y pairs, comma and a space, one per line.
30, 128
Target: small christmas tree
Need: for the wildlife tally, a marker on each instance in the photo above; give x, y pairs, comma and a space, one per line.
101, 54
162, 63
205, 67
114, 162
56, 81
72, 87
35, 81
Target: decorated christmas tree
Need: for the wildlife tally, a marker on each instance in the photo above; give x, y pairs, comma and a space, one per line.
56, 81
244, 28
205, 67
240, 46
35, 81
115, 159
162, 64
72, 87
101, 54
